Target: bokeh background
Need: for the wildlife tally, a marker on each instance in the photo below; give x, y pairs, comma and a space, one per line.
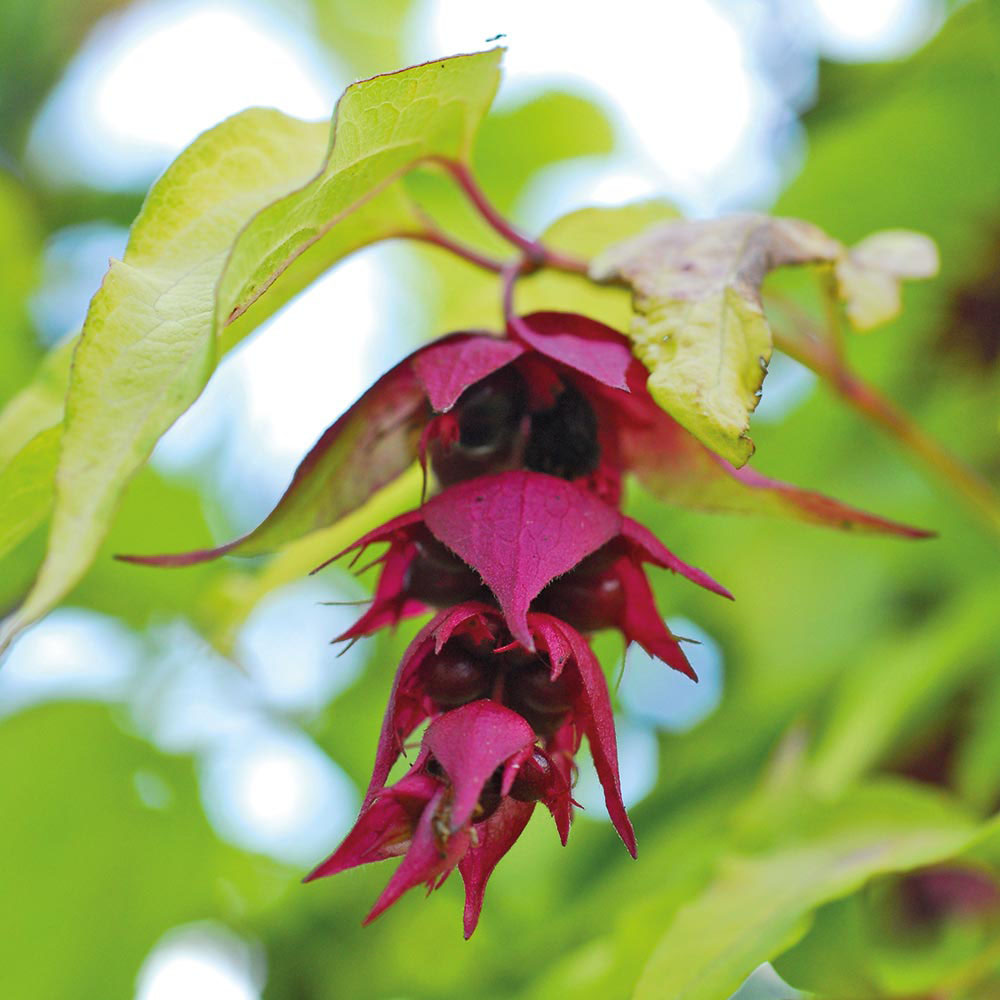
178, 747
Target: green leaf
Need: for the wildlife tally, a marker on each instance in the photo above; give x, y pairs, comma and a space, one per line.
382, 128
20, 252
230, 218
147, 346
30, 435
977, 767
26, 488
758, 905
699, 325
39, 404
869, 274
588, 232
548, 128
584, 234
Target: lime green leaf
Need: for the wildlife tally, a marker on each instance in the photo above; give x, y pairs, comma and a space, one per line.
39, 404
977, 768
588, 232
147, 346
26, 488
20, 252
584, 234
232, 216
759, 905
30, 434
699, 325
551, 127
382, 128
869, 274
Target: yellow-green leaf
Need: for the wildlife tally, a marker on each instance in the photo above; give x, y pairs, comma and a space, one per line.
26, 487
382, 128
39, 404
759, 905
587, 232
699, 323
232, 216
147, 347
30, 435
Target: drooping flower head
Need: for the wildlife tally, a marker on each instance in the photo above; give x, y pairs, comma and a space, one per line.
467, 653
524, 440
463, 803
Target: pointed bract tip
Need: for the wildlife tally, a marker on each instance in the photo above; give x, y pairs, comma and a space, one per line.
470, 920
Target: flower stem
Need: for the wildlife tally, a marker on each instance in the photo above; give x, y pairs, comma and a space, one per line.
535, 252
439, 239
822, 359
509, 276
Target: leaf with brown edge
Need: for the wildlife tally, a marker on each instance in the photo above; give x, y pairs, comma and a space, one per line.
699, 323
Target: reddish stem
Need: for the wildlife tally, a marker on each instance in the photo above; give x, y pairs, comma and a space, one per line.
509, 276
536, 253
437, 238
822, 359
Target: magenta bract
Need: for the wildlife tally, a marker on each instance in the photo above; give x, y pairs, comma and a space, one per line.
559, 689
457, 805
519, 531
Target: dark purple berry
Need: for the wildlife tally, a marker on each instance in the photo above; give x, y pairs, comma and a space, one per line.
453, 677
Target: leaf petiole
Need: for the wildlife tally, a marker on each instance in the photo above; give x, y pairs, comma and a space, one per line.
823, 359
535, 252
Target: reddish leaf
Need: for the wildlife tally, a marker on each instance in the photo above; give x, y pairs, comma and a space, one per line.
641, 622
383, 829
519, 530
449, 366
593, 714
812, 506
391, 603
405, 710
427, 858
651, 549
578, 342
470, 616
675, 467
371, 444
395, 530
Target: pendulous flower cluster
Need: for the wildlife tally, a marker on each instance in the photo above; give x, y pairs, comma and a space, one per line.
520, 552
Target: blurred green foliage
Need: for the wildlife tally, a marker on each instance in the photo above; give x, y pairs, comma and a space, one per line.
773, 831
